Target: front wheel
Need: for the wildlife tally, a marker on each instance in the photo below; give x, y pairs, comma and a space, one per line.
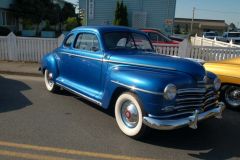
49, 83
129, 115
231, 96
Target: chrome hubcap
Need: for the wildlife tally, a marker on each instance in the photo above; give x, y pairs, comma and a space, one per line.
129, 114
232, 95
49, 79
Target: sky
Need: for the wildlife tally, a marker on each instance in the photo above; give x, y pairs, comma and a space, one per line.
228, 10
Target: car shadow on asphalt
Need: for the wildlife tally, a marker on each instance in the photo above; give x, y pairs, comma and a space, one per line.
109, 111
11, 96
214, 139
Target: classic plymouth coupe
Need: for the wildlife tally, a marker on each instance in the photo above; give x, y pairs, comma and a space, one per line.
116, 67
228, 72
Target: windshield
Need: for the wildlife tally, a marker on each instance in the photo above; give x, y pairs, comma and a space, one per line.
234, 35
127, 40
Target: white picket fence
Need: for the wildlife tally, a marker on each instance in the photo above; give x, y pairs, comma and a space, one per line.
26, 49
202, 41
29, 49
188, 50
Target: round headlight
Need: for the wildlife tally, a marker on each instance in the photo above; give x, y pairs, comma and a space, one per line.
217, 84
170, 92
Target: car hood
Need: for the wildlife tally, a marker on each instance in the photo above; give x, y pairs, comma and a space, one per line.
152, 60
235, 61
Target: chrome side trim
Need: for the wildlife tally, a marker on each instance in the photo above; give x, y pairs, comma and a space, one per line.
118, 62
80, 94
138, 64
138, 89
75, 55
191, 121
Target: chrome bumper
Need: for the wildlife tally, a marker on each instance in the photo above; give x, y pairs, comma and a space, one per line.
190, 121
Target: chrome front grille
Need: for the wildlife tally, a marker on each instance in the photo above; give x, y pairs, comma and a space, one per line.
202, 99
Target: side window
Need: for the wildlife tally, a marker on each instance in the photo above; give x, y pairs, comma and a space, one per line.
68, 42
87, 41
155, 37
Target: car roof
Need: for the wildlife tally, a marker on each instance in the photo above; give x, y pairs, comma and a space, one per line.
103, 29
151, 29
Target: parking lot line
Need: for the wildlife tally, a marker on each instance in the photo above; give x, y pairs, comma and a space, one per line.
70, 151
30, 156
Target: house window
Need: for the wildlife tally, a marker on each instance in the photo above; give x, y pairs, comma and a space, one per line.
3, 18
10, 19
7, 19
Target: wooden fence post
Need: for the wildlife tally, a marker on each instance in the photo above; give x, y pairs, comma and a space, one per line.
60, 39
12, 47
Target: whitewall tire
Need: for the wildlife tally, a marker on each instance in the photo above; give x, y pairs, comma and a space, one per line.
49, 83
129, 115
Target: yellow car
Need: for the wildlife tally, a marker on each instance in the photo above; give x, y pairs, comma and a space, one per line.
229, 73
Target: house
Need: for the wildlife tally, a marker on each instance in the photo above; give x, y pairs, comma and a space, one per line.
200, 25
157, 14
7, 18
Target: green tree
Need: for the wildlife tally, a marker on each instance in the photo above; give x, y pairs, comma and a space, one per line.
53, 16
68, 15
186, 29
68, 10
35, 11
117, 14
232, 27
71, 23
125, 15
121, 15
31, 10
177, 29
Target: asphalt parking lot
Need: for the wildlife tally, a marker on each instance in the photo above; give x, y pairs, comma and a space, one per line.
36, 124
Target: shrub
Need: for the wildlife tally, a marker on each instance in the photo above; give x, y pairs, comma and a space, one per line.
71, 23
4, 31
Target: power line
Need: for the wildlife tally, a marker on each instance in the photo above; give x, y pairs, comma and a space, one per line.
217, 11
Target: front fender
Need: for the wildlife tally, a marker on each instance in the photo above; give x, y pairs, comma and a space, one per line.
49, 62
148, 84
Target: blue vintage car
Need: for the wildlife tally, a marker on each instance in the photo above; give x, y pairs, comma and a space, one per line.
116, 67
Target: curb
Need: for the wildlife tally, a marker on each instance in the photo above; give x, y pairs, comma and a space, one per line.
21, 73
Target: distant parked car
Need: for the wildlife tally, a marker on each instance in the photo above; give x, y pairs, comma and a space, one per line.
157, 37
176, 38
228, 36
116, 67
210, 35
228, 72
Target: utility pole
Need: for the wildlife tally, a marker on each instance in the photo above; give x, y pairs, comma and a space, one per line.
86, 13
193, 14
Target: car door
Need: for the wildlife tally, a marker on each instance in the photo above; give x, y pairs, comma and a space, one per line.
86, 62
65, 67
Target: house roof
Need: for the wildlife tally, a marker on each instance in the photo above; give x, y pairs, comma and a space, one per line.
203, 22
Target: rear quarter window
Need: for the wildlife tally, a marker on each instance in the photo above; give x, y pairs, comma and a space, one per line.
69, 41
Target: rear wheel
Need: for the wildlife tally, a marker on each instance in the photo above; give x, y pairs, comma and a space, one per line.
49, 83
129, 115
231, 96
